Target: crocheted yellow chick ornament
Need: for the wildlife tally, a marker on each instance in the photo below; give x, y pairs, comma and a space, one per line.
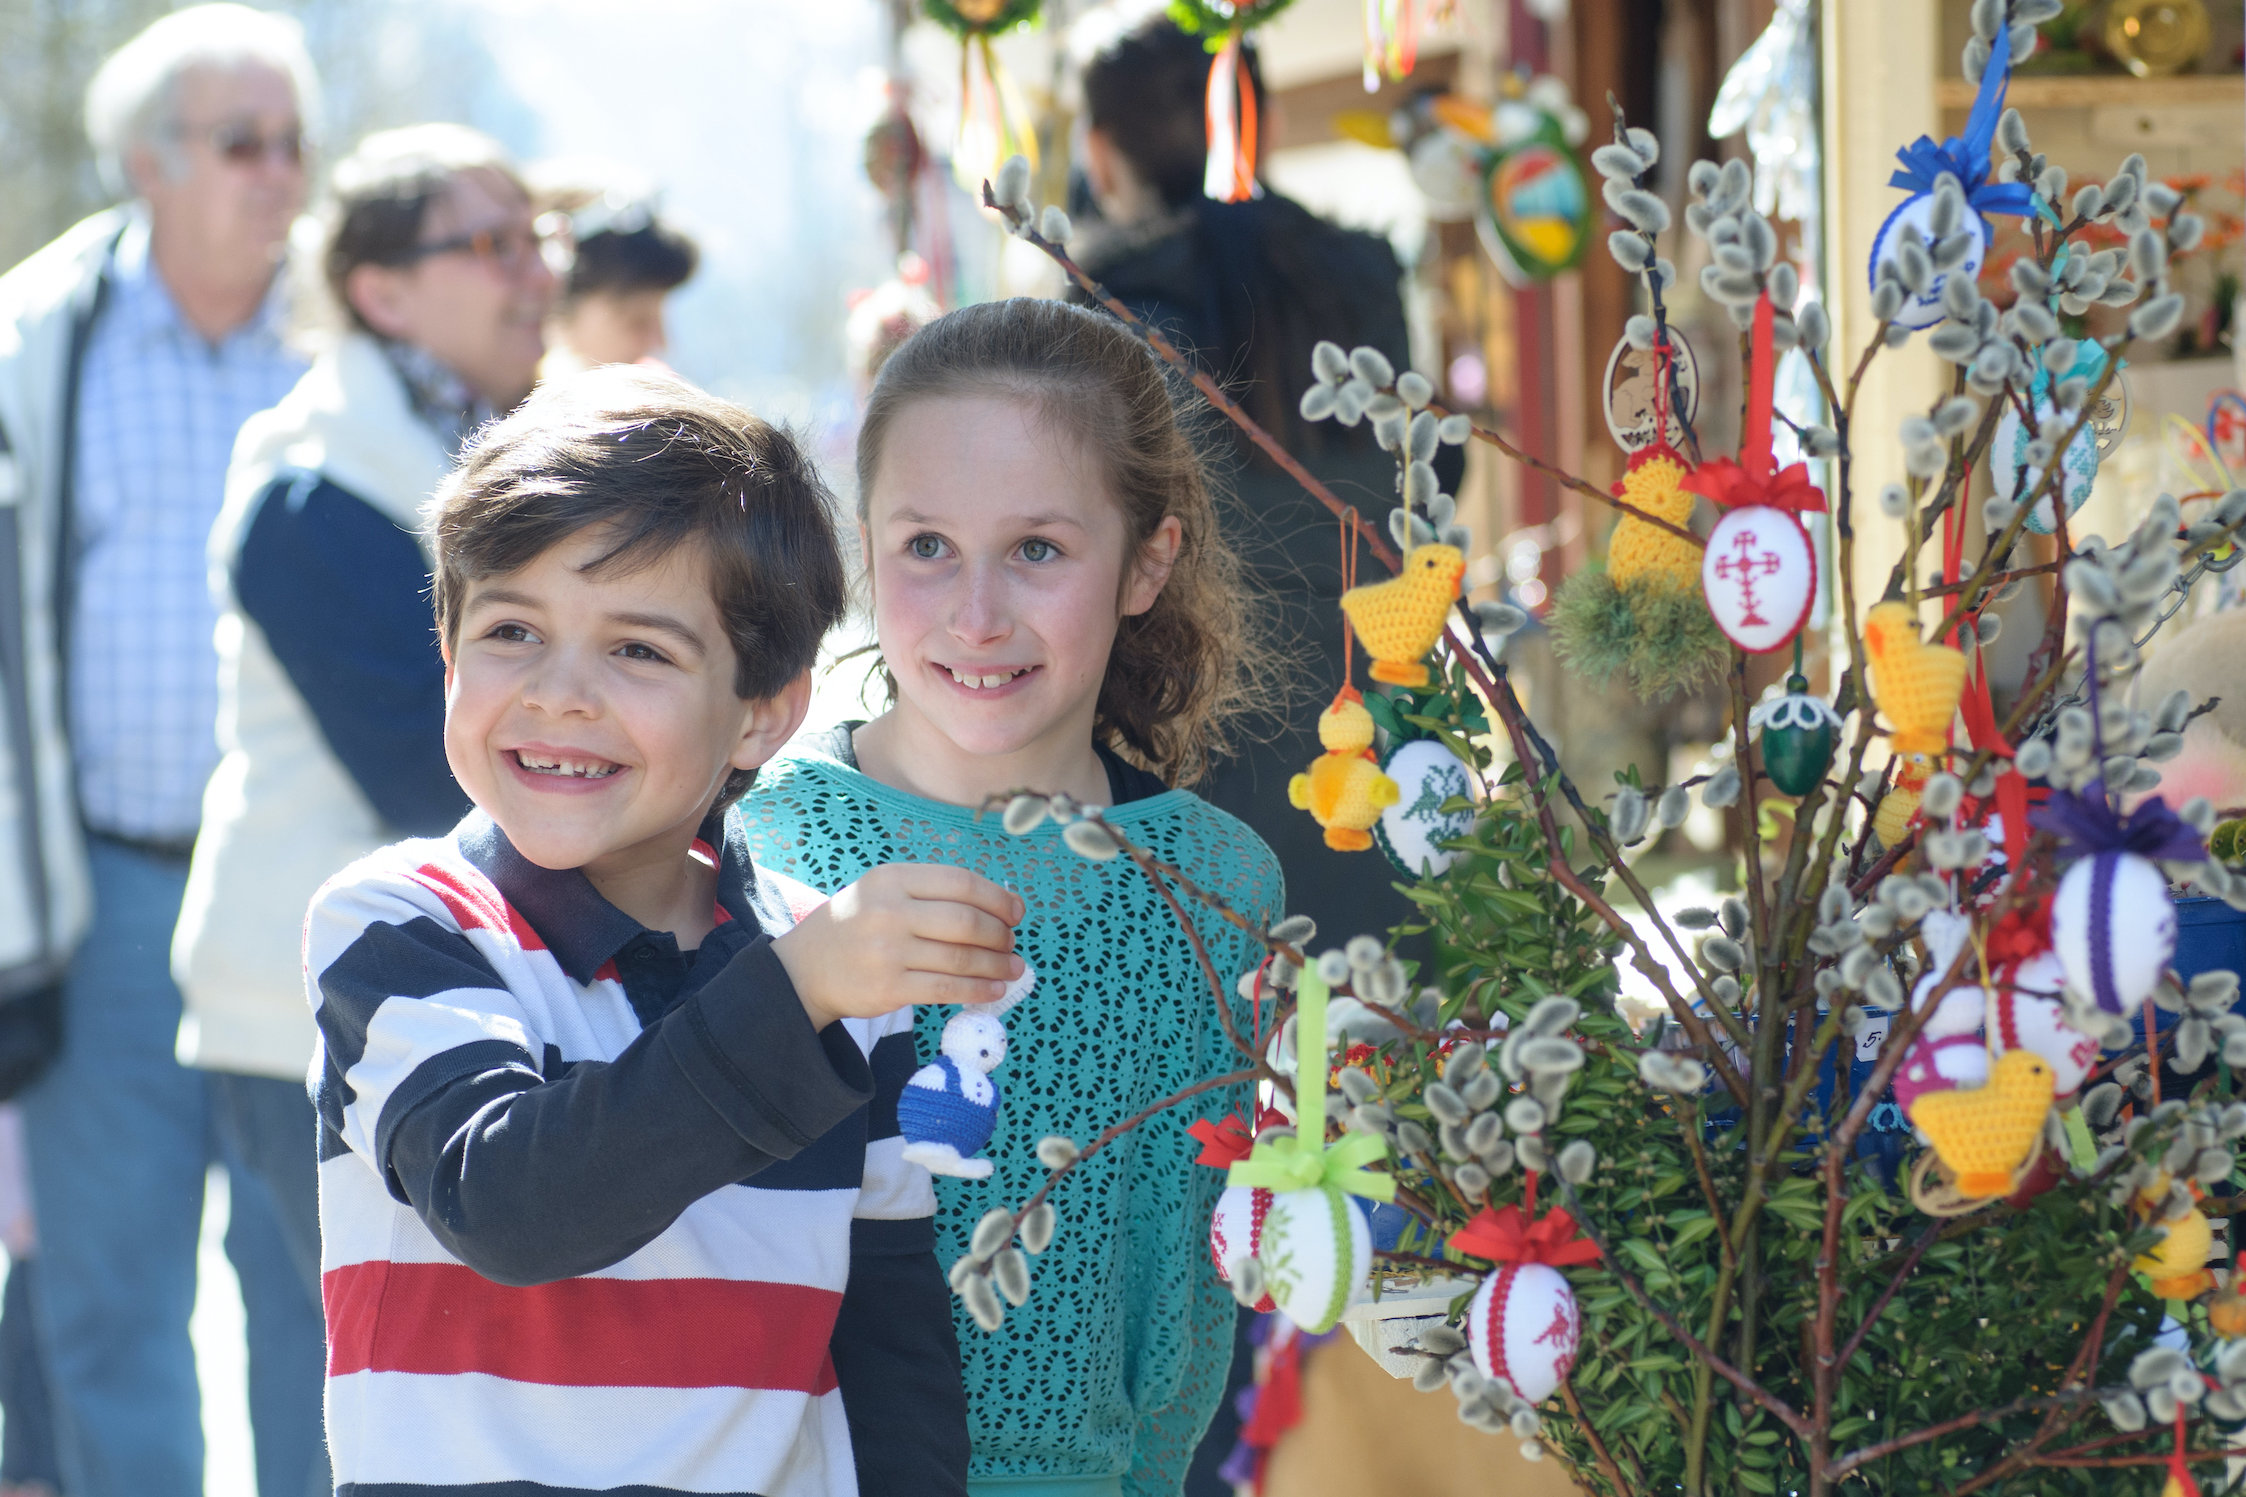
1646, 553
1917, 685
1400, 619
1900, 804
1984, 1135
2177, 1264
1344, 790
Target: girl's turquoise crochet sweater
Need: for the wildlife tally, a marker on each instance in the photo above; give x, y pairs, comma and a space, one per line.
1107, 1378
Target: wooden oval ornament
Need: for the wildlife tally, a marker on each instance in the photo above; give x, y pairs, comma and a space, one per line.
1759, 575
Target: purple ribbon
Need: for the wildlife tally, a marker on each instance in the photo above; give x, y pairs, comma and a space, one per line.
1966, 157
2087, 824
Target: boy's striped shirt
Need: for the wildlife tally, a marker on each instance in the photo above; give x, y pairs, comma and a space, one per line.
589, 1204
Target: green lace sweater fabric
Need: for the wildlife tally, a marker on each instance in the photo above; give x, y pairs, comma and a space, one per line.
1115, 1366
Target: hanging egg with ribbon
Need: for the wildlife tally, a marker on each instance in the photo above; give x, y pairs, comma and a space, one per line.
1799, 734
1523, 1325
1759, 572
1316, 1250
2028, 1015
1966, 158
1236, 1233
1229, 106
1412, 831
2112, 923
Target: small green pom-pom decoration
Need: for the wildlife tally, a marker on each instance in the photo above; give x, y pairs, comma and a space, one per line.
1660, 636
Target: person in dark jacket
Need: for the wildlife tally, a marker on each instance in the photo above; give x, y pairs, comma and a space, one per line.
1247, 289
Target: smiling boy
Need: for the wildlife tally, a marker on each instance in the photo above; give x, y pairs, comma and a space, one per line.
611, 1195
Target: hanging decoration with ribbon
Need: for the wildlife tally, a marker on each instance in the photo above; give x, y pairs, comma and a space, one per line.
1344, 789
994, 122
1315, 1247
1759, 573
1966, 158
2112, 921
1523, 1325
1391, 41
1229, 106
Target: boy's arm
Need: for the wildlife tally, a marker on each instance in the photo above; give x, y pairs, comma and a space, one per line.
896, 1354
528, 1169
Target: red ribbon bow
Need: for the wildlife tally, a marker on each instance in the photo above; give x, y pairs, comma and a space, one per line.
1507, 1237
1231, 1139
1755, 479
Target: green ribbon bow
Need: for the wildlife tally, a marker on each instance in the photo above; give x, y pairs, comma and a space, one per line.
1304, 1161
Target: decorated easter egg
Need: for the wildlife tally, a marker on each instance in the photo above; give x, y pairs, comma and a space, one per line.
1316, 1251
1940, 1065
1758, 575
2028, 1015
2114, 929
1534, 215
1800, 731
1918, 212
2010, 472
1236, 1231
1523, 1327
1411, 831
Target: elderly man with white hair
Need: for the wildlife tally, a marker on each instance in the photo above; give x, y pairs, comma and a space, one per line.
131, 351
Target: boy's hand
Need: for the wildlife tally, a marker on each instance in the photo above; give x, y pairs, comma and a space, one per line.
905, 933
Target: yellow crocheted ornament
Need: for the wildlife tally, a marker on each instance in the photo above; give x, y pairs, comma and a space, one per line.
1646, 553
1400, 619
2177, 1264
1344, 790
1985, 1135
1900, 804
1917, 685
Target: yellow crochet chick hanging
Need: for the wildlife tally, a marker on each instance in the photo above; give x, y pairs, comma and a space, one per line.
1984, 1135
1917, 685
2177, 1264
1400, 619
1344, 790
1639, 552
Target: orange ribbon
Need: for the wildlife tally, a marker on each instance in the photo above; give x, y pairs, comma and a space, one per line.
1754, 480
1507, 1237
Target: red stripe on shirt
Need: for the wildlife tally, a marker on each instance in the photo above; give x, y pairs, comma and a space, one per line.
443, 1318
478, 905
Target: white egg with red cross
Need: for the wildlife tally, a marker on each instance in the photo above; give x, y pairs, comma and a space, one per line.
1236, 1231
1316, 1252
1524, 1327
1759, 575
2028, 1015
2114, 929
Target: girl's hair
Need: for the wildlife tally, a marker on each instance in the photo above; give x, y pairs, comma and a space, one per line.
1182, 673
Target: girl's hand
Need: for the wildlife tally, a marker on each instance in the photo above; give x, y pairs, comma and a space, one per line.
904, 933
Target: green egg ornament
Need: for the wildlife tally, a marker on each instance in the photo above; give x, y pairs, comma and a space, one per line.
1799, 734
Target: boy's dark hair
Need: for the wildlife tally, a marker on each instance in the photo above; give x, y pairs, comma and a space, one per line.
382, 193
1147, 92
651, 256
660, 464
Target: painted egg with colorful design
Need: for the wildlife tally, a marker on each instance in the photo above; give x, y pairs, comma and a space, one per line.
1236, 1231
1428, 776
1759, 575
1523, 1327
2114, 929
1316, 1252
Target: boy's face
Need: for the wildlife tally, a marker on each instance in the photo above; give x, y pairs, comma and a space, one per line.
593, 715
615, 327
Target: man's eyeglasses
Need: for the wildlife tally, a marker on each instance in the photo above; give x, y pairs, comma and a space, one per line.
510, 249
240, 143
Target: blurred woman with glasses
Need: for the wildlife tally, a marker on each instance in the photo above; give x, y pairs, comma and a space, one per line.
331, 687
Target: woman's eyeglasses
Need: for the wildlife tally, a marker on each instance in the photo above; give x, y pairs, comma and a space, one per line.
240, 143
510, 249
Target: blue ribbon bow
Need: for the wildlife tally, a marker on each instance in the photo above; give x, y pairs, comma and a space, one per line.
2087, 824
1966, 157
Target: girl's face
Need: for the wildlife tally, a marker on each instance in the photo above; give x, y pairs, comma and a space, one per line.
1000, 570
